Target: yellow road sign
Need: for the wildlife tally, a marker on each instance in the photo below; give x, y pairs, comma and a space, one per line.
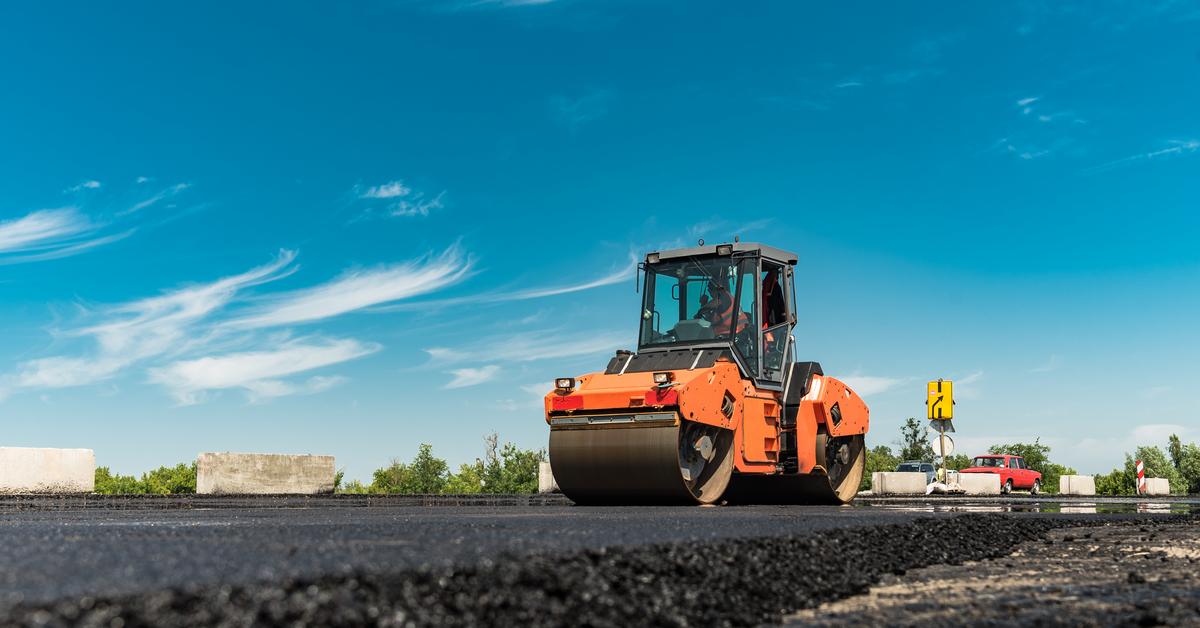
940, 403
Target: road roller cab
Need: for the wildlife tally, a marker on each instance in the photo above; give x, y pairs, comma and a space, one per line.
713, 405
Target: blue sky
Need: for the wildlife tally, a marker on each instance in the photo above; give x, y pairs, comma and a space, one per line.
349, 229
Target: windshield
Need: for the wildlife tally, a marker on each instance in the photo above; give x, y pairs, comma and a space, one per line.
702, 299
988, 462
909, 467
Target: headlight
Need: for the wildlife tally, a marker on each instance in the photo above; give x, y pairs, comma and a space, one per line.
565, 383
663, 379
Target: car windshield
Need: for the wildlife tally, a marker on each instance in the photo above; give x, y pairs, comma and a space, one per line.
988, 462
702, 299
909, 467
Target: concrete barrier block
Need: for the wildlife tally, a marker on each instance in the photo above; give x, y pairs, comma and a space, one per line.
263, 474
546, 482
897, 483
979, 483
1157, 486
39, 470
1077, 485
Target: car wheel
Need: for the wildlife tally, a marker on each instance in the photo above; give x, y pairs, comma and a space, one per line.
1007, 487
1037, 487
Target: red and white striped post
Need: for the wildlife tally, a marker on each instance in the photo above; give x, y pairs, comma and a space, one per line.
1141, 472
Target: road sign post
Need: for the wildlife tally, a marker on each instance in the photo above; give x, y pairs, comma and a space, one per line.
939, 409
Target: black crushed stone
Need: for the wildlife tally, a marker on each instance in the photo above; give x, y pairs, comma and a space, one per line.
740, 582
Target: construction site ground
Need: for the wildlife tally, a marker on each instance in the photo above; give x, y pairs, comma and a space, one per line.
541, 561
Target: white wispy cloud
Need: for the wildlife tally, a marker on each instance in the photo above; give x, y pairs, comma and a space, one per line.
147, 328
397, 199
575, 112
1051, 364
866, 385
617, 275
968, 387
46, 228
86, 185
531, 346
845, 84
259, 372
538, 390
154, 199
1025, 102
1025, 153
205, 337
469, 376
387, 190
359, 289
1157, 433
47, 234
417, 206
1174, 148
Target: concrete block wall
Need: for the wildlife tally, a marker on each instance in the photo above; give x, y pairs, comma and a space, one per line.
1077, 485
1157, 486
546, 482
39, 470
263, 474
897, 483
979, 483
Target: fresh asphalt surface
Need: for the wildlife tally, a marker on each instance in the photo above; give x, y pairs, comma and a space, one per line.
48, 555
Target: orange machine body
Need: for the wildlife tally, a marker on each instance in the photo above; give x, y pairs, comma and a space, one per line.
720, 396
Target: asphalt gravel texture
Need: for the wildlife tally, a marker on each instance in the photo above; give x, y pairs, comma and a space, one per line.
1139, 574
49, 555
661, 567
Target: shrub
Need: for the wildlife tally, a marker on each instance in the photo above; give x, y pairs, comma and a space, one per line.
468, 480
958, 462
506, 469
1156, 466
514, 470
878, 459
914, 441
175, 480
109, 484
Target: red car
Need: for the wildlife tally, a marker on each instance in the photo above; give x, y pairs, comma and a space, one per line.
1013, 472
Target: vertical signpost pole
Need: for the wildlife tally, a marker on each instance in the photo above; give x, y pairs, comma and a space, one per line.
939, 409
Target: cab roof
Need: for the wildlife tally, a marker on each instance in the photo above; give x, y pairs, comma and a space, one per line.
767, 252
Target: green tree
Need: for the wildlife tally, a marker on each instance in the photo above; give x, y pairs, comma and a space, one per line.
1186, 460
958, 462
1189, 467
879, 458
175, 480
1116, 482
354, 487
914, 441
468, 480
389, 479
108, 483
1175, 450
337, 479
511, 470
1037, 457
426, 474
1157, 465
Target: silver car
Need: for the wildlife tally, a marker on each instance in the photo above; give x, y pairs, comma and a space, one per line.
914, 466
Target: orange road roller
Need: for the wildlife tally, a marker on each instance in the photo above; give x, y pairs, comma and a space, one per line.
713, 407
